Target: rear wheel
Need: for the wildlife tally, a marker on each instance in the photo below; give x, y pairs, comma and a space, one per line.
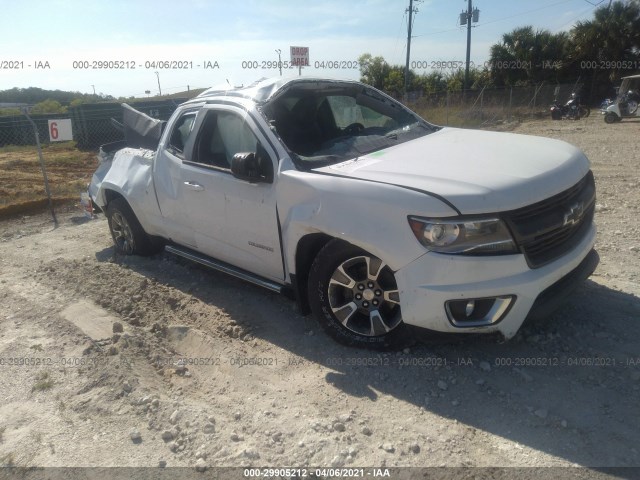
128, 235
354, 296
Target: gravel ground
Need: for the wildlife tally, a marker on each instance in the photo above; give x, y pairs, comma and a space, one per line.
110, 361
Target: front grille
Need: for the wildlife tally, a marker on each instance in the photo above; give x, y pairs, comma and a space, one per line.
548, 229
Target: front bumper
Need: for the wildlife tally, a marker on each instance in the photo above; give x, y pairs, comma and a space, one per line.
429, 282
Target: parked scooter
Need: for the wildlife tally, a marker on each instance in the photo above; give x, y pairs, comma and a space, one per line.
572, 109
626, 103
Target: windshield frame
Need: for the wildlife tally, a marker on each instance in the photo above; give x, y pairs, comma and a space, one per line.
323, 89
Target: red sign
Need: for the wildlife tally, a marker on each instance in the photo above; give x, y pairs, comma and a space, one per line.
299, 56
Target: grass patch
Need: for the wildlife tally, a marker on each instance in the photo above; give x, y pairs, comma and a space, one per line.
46, 147
69, 170
477, 117
43, 382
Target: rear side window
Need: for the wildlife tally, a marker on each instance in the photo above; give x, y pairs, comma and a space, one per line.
181, 132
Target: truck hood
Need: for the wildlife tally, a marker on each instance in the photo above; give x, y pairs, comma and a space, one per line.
475, 171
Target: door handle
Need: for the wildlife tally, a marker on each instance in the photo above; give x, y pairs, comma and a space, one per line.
196, 187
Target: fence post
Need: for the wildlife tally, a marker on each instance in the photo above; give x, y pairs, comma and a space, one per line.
479, 97
510, 103
447, 108
42, 167
535, 96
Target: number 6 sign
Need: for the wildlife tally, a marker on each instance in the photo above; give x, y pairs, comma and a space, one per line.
60, 130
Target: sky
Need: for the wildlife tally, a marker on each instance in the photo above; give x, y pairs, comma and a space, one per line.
65, 44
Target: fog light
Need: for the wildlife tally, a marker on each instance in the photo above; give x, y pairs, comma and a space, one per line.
471, 305
478, 312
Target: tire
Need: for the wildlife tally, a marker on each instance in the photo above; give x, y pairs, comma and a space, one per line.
584, 111
128, 235
354, 296
610, 117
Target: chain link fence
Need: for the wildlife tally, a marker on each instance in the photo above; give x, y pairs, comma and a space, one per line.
16, 129
91, 123
490, 106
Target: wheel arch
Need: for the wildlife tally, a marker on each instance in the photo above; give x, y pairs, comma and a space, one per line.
110, 195
306, 251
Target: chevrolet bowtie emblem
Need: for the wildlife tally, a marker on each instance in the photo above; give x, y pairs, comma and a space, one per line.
574, 214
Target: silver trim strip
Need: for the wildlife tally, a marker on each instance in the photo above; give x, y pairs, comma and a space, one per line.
224, 268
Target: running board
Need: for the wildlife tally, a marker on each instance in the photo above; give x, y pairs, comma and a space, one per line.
224, 268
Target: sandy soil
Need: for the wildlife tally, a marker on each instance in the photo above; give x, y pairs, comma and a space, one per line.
109, 361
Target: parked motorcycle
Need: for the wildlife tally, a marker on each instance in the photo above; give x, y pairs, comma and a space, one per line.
572, 109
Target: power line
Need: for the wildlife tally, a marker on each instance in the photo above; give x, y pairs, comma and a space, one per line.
395, 49
497, 20
576, 18
525, 13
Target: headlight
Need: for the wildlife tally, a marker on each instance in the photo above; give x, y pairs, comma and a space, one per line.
471, 237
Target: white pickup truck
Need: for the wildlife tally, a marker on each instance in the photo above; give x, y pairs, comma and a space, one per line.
372, 218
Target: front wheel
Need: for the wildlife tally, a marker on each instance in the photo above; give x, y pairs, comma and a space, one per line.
584, 111
354, 296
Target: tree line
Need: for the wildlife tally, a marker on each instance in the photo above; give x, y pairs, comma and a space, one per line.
46, 101
595, 53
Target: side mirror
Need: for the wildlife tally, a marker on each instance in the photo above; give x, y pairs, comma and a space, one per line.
244, 165
253, 167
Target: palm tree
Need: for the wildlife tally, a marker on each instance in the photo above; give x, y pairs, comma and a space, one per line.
526, 56
608, 46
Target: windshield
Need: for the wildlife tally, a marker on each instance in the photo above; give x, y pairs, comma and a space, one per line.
331, 123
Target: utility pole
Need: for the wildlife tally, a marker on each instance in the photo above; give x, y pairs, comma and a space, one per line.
159, 89
406, 66
466, 68
279, 52
469, 15
94, 89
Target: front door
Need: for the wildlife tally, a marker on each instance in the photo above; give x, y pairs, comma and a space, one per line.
232, 220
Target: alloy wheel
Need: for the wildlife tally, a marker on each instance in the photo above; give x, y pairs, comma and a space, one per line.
363, 296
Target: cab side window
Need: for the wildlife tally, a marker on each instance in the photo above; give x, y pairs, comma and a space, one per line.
181, 132
223, 134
